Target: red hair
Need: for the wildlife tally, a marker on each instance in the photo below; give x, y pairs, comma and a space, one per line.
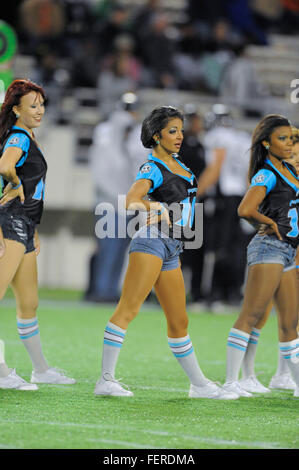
16, 90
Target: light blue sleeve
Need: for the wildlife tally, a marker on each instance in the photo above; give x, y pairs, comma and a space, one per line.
264, 178
150, 171
20, 141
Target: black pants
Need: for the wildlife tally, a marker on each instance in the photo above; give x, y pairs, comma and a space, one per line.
230, 243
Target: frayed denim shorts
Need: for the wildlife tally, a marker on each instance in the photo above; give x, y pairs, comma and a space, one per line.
267, 249
150, 240
20, 229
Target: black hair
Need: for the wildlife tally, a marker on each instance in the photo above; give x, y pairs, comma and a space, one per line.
262, 132
156, 121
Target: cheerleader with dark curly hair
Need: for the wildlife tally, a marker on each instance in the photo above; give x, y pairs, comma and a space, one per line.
154, 254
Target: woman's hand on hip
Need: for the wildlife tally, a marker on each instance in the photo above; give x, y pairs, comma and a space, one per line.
9, 194
268, 229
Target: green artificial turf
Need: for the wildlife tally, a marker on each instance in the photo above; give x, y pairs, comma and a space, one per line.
160, 415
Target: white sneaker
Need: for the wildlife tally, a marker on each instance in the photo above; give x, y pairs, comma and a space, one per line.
296, 393
108, 386
51, 376
253, 385
211, 390
235, 387
283, 381
15, 381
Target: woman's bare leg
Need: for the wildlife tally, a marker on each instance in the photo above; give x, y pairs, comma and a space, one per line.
263, 281
142, 273
10, 259
25, 288
286, 299
170, 291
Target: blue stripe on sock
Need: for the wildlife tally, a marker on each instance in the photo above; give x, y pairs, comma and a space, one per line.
252, 341
112, 343
29, 335
183, 354
292, 355
115, 332
236, 346
254, 333
234, 335
183, 343
26, 325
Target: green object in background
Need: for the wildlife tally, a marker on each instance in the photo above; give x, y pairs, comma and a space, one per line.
6, 77
8, 48
8, 42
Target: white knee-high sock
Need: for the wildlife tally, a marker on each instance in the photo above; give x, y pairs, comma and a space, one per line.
113, 340
290, 353
4, 370
184, 353
282, 364
249, 358
236, 348
29, 334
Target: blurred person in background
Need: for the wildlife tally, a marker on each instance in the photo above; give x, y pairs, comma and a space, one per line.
141, 19
23, 171
86, 64
116, 23
192, 153
227, 151
102, 8
217, 54
268, 14
120, 72
240, 85
289, 23
114, 153
143, 15
42, 24
159, 52
241, 17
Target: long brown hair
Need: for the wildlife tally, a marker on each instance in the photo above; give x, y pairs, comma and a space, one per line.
263, 132
13, 95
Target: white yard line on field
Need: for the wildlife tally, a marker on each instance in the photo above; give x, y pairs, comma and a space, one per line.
130, 445
122, 428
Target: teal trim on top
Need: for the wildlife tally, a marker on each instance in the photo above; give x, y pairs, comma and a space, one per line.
296, 189
21, 129
155, 159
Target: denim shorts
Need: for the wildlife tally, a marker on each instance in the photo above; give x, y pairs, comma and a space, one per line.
150, 240
267, 249
20, 229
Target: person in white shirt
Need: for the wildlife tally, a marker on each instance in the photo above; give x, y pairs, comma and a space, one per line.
227, 155
116, 150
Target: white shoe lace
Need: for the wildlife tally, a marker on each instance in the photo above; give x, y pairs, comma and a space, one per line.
108, 378
236, 388
57, 371
219, 385
16, 376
